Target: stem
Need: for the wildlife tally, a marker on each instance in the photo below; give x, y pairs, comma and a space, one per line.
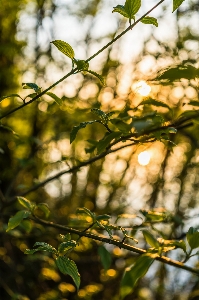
119, 244
90, 58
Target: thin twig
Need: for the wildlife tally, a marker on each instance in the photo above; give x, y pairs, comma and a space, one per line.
73, 71
119, 244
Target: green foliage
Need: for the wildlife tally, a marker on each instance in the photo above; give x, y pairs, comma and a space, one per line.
176, 73
135, 272
53, 96
193, 238
31, 158
150, 239
10, 96
130, 8
65, 48
105, 257
17, 219
68, 267
176, 4
150, 20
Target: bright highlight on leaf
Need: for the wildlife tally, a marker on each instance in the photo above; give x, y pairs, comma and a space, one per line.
65, 48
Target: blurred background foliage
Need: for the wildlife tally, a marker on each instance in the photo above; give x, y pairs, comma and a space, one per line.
120, 183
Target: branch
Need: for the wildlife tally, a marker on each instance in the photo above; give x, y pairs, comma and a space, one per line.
73, 71
119, 244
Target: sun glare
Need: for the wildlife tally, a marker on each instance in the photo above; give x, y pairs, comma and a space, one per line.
142, 88
144, 158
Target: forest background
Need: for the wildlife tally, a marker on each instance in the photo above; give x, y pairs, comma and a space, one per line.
153, 186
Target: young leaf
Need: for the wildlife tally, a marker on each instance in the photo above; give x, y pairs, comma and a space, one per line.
121, 10
26, 203
10, 96
45, 247
194, 103
105, 257
32, 86
102, 115
132, 7
17, 218
87, 211
150, 239
176, 73
193, 238
150, 20
103, 217
154, 102
44, 208
68, 267
135, 272
122, 126
77, 128
7, 129
65, 246
176, 4
55, 97
82, 65
65, 48
100, 77
102, 144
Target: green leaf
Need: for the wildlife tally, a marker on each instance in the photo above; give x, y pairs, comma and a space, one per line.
44, 208
150, 20
42, 246
77, 128
103, 217
150, 239
194, 103
163, 134
10, 96
65, 246
86, 211
17, 218
65, 48
102, 115
100, 77
176, 73
102, 144
30, 85
32, 95
176, 4
121, 10
82, 65
105, 257
154, 215
147, 122
122, 126
154, 102
135, 272
26, 203
7, 129
187, 115
55, 97
68, 267
193, 238
132, 7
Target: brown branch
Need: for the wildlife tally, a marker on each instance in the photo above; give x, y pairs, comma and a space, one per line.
117, 243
